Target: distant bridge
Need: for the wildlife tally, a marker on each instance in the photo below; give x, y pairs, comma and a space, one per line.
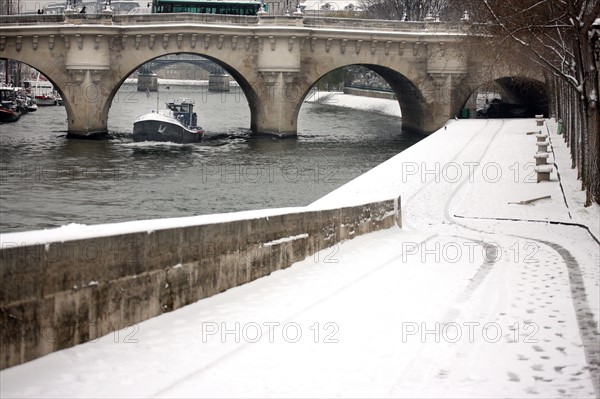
217, 81
275, 60
163, 62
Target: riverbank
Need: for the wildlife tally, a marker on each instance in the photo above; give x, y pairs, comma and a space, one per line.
178, 82
369, 104
476, 296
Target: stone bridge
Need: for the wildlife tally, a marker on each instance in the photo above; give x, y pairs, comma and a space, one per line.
169, 60
275, 59
147, 79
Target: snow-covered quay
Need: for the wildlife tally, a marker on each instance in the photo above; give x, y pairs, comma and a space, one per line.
477, 295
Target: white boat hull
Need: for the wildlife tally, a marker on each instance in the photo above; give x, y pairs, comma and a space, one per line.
158, 127
43, 101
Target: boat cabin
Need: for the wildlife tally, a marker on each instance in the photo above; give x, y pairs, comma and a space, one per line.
7, 97
184, 111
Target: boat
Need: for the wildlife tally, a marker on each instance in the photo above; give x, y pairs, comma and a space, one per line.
9, 111
8, 115
175, 124
24, 102
42, 91
30, 104
43, 100
21, 102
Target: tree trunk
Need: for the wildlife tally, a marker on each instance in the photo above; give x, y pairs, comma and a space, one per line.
592, 122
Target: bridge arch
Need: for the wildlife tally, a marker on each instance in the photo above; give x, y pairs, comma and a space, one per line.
416, 113
522, 96
246, 87
54, 76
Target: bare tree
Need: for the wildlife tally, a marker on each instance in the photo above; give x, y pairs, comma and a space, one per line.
406, 10
557, 35
8, 7
382, 9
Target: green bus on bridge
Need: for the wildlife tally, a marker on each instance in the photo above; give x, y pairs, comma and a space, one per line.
227, 7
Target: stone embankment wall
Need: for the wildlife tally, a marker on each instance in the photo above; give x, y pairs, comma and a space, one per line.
54, 296
370, 93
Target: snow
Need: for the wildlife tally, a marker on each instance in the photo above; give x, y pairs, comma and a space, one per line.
370, 104
75, 231
575, 196
285, 239
474, 297
504, 172
178, 82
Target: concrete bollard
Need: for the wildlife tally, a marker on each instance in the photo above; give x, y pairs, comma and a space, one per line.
542, 146
543, 172
541, 137
541, 158
539, 120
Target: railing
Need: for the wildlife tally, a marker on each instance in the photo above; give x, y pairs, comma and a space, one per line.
34, 19
379, 24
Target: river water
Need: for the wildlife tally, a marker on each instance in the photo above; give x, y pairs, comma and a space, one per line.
47, 180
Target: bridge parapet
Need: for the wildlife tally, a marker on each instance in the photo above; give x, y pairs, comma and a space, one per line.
386, 25
278, 20
31, 19
119, 19
236, 20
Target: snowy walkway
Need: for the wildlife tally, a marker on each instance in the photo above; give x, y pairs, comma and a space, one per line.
456, 304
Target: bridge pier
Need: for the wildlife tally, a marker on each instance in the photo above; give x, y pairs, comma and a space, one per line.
147, 81
277, 119
218, 82
86, 98
280, 102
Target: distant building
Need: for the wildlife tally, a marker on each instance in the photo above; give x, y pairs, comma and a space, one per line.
310, 7
183, 71
323, 7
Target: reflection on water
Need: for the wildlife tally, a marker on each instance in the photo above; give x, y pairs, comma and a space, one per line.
47, 180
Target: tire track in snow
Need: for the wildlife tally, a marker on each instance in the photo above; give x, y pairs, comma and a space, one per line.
483, 269
486, 267
406, 222
588, 326
490, 250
